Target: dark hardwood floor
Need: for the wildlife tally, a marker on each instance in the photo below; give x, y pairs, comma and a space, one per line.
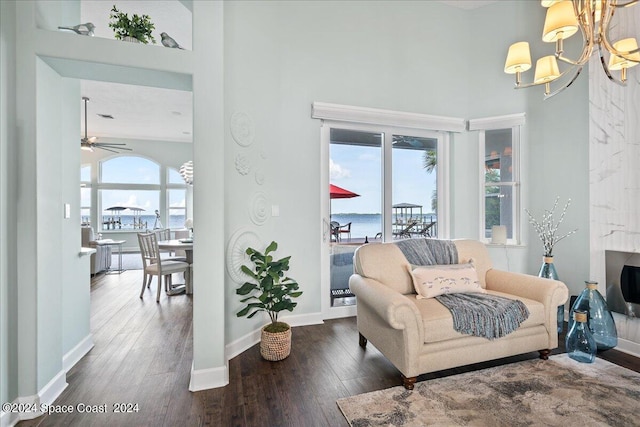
143, 354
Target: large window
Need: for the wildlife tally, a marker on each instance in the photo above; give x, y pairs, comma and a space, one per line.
134, 193
499, 140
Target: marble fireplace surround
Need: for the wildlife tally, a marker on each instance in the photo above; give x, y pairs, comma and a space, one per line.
614, 178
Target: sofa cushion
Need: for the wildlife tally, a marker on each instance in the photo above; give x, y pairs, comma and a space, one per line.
438, 322
432, 280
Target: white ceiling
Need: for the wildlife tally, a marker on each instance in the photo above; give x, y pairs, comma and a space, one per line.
139, 112
144, 112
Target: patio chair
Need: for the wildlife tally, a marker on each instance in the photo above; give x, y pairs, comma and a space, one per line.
425, 229
406, 231
335, 231
346, 229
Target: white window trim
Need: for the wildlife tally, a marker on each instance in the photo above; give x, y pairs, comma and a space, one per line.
379, 117
515, 122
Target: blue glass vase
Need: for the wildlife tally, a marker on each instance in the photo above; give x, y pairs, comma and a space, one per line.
579, 342
548, 271
599, 319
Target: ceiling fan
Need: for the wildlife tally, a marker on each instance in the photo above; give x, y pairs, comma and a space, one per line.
89, 144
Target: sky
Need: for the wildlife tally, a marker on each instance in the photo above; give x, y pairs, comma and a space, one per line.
358, 169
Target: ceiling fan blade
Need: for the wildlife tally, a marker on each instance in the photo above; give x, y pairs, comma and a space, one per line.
110, 143
112, 147
92, 139
107, 149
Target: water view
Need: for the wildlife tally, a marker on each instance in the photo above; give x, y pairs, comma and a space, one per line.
139, 222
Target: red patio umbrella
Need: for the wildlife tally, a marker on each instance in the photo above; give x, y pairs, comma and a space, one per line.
336, 192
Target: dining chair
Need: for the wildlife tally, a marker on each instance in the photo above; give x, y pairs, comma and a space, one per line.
154, 265
165, 234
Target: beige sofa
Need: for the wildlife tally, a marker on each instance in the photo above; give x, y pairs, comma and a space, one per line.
417, 335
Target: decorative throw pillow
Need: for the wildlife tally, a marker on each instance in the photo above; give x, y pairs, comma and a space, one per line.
432, 280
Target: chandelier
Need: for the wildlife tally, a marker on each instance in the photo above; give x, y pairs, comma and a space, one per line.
564, 18
186, 170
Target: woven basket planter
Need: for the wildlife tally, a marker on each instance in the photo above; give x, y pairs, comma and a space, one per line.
275, 346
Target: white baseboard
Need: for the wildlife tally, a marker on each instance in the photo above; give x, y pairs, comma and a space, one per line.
203, 379
247, 341
303, 319
53, 389
629, 347
242, 344
11, 419
76, 353
8, 419
47, 395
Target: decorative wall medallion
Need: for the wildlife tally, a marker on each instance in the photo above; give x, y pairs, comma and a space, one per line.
258, 208
242, 239
259, 176
242, 129
243, 164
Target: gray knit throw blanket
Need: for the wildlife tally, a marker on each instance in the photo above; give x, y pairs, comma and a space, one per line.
484, 315
477, 314
423, 251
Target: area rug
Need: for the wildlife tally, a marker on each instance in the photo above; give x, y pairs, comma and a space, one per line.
555, 392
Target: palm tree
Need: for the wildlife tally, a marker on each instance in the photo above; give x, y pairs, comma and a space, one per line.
430, 162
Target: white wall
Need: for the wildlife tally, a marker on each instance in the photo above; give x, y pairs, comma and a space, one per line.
282, 56
279, 57
554, 145
8, 376
75, 278
49, 213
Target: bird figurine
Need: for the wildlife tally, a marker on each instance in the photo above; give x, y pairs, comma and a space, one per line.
168, 41
82, 29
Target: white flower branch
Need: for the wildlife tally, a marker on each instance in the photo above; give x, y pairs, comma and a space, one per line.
547, 229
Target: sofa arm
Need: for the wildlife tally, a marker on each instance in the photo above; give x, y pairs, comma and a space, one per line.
551, 293
394, 308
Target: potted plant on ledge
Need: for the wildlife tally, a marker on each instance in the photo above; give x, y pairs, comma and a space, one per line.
271, 292
135, 29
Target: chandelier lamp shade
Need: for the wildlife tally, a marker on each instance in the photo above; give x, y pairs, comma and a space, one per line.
186, 170
564, 18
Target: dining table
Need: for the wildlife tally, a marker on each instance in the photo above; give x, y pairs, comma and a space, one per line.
185, 245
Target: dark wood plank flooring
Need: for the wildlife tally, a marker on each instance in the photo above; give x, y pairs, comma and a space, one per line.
143, 354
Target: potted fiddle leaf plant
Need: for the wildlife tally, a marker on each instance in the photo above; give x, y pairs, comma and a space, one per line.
135, 29
269, 291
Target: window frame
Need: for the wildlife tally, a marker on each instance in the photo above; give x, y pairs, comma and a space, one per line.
376, 120
162, 188
515, 122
